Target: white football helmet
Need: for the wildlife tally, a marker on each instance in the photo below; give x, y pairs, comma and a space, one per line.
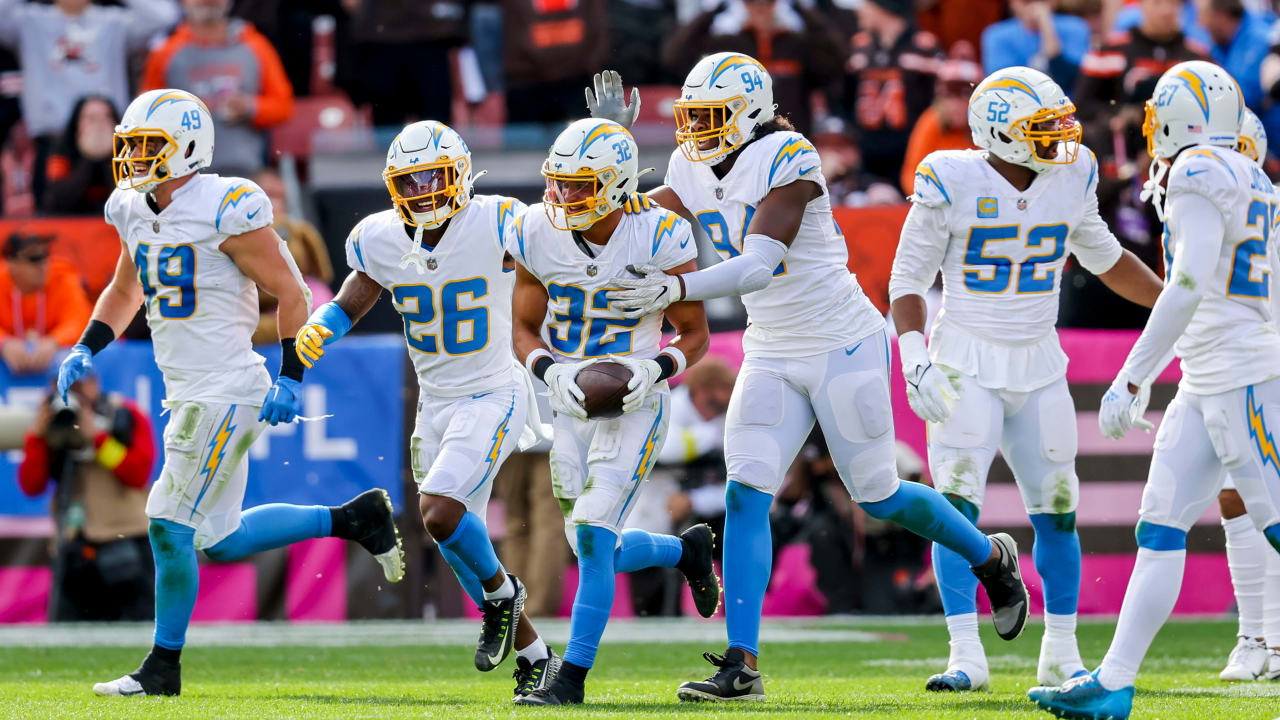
1021, 116
724, 99
590, 171
164, 135
1194, 103
1253, 138
428, 173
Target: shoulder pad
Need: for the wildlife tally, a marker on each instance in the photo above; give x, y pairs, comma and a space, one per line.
242, 207
929, 188
1206, 171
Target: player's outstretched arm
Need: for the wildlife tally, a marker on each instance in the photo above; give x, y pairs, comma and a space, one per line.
335, 318
1131, 279
689, 319
116, 306
262, 256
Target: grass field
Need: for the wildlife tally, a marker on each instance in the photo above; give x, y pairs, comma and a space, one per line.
866, 668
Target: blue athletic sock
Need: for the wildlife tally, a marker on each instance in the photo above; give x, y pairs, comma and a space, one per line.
469, 552
267, 527
177, 580
1273, 536
1057, 558
923, 511
957, 585
594, 600
638, 550
748, 561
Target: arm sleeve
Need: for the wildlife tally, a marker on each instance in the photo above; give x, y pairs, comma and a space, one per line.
673, 243
243, 208
1198, 219
1092, 241
921, 249
145, 18
740, 275
131, 464
33, 473
274, 102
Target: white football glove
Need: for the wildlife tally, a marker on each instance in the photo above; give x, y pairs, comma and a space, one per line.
607, 101
929, 390
566, 396
649, 292
1122, 410
644, 374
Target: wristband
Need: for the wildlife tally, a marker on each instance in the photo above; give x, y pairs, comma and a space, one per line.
531, 361
678, 361
332, 317
666, 366
97, 335
290, 364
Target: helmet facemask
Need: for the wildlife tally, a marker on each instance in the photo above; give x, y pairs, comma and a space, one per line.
577, 200
1247, 147
428, 194
140, 158
1053, 134
720, 126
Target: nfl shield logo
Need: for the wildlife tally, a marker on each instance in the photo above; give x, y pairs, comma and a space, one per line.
432, 264
719, 193
1022, 203
155, 226
592, 270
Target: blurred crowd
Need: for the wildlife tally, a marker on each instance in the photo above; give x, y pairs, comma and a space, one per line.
876, 84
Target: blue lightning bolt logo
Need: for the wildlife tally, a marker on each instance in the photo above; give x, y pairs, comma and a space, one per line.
495, 450
667, 226
793, 148
1258, 431
217, 450
230, 200
927, 176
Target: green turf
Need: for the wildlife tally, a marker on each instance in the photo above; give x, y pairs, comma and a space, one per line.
882, 678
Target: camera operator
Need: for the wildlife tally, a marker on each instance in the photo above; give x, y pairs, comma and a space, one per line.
98, 450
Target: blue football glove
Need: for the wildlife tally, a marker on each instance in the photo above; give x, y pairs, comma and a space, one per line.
77, 364
283, 402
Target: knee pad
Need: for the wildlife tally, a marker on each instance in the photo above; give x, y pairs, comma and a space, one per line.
861, 406
1160, 537
959, 473
1058, 434
599, 502
760, 474
571, 534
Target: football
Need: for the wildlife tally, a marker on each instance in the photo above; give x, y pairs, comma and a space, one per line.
604, 384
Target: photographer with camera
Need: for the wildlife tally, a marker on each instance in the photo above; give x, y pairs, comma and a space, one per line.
98, 450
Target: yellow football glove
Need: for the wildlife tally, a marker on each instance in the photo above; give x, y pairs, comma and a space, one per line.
637, 203
309, 344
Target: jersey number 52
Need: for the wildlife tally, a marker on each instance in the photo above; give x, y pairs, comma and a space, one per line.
994, 273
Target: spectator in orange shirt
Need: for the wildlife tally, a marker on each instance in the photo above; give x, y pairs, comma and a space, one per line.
235, 71
944, 125
43, 305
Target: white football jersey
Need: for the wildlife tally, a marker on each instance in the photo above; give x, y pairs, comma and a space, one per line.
1002, 253
813, 304
457, 312
580, 322
1232, 340
201, 309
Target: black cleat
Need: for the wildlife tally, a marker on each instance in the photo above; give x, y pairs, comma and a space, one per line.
1005, 589
534, 676
734, 681
369, 519
155, 677
699, 572
559, 692
498, 627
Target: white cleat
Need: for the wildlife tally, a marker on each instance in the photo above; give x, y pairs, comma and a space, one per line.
1248, 661
126, 686
392, 562
1273, 670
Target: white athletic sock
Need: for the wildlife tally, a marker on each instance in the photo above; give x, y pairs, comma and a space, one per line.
536, 651
1247, 552
1271, 601
966, 647
1148, 601
1058, 627
507, 590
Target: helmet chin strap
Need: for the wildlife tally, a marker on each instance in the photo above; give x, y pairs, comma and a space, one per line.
1153, 188
415, 255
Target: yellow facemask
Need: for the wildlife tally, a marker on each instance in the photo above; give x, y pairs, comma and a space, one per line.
1068, 133
124, 162
436, 183
566, 201
721, 117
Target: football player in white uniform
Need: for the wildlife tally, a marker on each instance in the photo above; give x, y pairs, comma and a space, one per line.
568, 247
1215, 312
441, 251
999, 222
195, 248
816, 349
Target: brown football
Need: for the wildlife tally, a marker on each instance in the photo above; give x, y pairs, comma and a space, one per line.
605, 384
